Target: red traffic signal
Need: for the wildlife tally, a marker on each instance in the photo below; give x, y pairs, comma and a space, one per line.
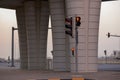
78, 21
108, 34
73, 50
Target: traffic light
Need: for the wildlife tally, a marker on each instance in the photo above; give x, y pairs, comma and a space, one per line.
114, 53
105, 51
68, 26
108, 34
73, 50
78, 21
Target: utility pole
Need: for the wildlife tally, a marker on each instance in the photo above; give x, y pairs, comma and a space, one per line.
12, 50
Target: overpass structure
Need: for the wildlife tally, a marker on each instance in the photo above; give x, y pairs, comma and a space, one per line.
32, 19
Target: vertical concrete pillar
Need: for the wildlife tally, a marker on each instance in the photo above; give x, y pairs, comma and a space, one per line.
30, 22
93, 30
58, 31
33, 28
89, 11
22, 37
42, 13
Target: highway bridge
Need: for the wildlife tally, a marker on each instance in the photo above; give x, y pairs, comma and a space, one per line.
32, 19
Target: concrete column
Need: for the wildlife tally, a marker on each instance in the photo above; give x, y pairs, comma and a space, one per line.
89, 11
42, 30
33, 29
58, 31
30, 22
22, 37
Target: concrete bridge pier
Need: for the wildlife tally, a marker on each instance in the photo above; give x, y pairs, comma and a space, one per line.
22, 37
89, 11
33, 27
33, 18
57, 12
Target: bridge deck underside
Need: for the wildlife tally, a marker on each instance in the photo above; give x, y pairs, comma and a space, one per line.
13, 4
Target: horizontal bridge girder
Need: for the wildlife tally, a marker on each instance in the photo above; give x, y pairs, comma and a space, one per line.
13, 4
109, 0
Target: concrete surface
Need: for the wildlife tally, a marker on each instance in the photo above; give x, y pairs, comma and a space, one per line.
16, 74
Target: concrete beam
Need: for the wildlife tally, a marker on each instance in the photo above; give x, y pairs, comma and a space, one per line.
109, 0
13, 4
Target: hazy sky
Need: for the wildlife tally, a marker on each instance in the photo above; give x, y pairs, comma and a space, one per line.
109, 22
7, 20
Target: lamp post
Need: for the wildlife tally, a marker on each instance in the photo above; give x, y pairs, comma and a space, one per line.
12, 50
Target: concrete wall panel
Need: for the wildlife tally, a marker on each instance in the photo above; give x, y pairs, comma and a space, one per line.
92, 53
22, 37
60, 60
59, 47
89, 11
59, 53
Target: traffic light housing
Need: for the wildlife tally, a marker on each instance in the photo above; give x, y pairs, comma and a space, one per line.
108, 34
114, 53
68, 26
78, 21
73, 50
105, 52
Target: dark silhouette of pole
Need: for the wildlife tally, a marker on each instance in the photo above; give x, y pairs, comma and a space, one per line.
12, 54
76, 48
105, 52
77, 25
110, 35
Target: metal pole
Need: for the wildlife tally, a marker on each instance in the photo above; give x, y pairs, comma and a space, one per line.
105, 51
106, 58
12, 54
115, 35
76, 49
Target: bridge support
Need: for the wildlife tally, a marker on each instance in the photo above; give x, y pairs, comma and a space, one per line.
57, 12
89, 11
33, 27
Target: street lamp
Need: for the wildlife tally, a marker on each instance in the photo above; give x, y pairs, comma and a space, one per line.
12, 50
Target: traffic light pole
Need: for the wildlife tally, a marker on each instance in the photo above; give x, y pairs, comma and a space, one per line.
105, 52
115, 35
76, 48
112, 35
109, 35
77, 24
12, 50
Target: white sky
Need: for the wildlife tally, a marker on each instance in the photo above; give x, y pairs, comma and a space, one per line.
109, 22
7, 20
